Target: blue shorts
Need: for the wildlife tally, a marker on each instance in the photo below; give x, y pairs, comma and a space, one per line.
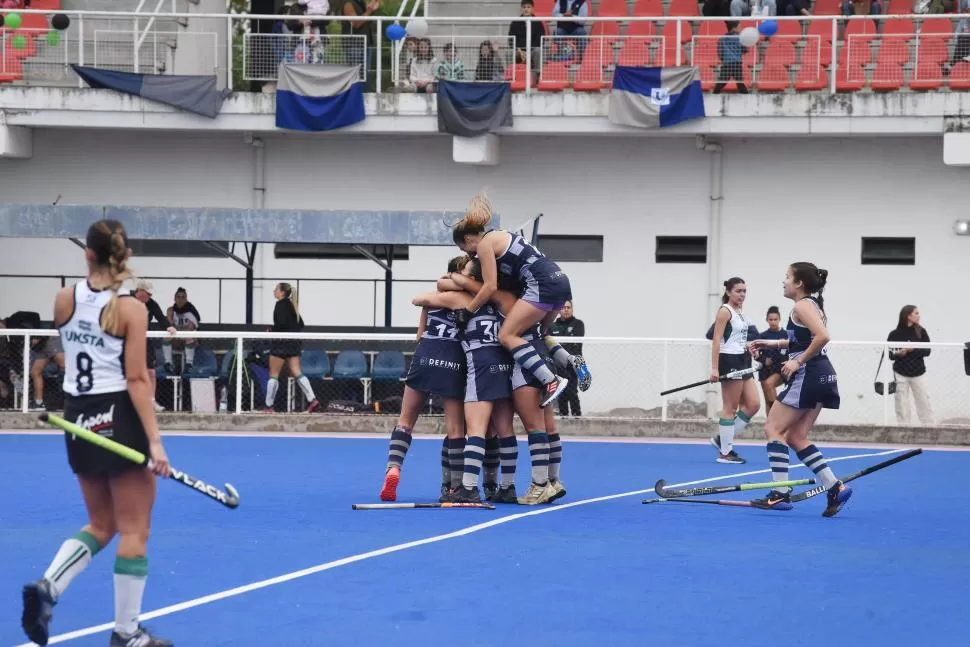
438, 368
522, 378
813, 384
550, 292
489, 374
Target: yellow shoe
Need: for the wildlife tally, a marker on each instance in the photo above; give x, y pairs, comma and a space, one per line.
558, 488
537, 494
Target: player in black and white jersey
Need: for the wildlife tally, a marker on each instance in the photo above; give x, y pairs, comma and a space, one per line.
729, 352
437, 368
543, 290
107, 390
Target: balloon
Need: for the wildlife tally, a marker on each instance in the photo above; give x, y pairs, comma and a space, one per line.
60, 22
417, 28
13, 20
53, 38
395, 32
749, 36
19, 42
768, 28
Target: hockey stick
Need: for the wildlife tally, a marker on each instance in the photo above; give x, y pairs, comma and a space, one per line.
412, 506
723, 489
229, 498
728, 376
742, 504
815, 491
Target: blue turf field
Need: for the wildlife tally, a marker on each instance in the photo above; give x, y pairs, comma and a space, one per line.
892, 569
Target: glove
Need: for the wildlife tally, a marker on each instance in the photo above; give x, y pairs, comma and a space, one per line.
462, 317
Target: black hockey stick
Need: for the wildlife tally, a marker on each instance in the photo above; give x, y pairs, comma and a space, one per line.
727, 376
412, 506
730, 502
724, 489
821, 489
229, 498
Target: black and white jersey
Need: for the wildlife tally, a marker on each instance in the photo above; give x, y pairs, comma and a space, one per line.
94, 361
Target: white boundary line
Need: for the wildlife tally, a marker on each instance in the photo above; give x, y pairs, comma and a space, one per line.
319, 568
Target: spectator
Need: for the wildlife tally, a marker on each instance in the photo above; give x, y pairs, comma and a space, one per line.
11, 349
143, 292
449, 68
356, 53
43, 351
423, 65
909, 367
519, 29
568, 326
575, 29
314, 10
183, 316
731, 52
489, 66
793, 8
961, 47
753, 8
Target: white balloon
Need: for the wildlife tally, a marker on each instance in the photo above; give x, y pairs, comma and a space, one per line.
417, 27
749, 36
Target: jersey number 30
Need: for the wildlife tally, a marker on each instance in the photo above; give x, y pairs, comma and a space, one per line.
490, 331
85, 377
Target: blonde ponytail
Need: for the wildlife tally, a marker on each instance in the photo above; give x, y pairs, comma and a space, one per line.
477, 217
118, 268
290, 294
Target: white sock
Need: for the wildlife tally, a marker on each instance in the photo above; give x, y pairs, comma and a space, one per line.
304, 385
72, 558
741, 422
130, 576
167, 353
271, 387
726, 429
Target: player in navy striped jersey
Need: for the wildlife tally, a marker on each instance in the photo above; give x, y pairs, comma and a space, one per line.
437, 368
812, 386
543, 290
771, 358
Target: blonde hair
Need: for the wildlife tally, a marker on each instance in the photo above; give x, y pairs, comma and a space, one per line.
290, 294
109, 243
477, 217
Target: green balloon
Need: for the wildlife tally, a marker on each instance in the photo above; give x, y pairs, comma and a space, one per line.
19, 42
53, 38
12, 20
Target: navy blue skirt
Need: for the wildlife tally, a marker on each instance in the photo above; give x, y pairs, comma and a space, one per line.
438, 368
814, 383
489, 375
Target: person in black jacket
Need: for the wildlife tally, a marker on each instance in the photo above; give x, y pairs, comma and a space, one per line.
143, 292
286, 318
909, 367
566, 325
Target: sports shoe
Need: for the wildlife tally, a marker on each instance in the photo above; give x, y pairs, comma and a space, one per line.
504, 494
553, 390
582, 371
447, 494
313, 406
774, 501
489, 490
141, 638
38, 608
838, 495
391, 478
559, 488
466, 495
730, 457
537, 494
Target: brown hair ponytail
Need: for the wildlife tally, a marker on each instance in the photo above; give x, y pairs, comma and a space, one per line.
109, 242
477, 217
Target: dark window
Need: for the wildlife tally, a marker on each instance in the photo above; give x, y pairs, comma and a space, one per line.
681, 249
573, 249
336, 251
888, 251
177, 248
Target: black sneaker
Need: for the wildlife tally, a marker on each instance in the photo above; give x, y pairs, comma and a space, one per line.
38, 609
447, 494
730, 457
838, 495
489, 490
141, 638
774, 501
466, 495
504, 494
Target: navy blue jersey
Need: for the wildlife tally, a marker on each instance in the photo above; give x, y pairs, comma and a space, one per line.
522, 261
440, 324
799, 336
482, 329
771, 352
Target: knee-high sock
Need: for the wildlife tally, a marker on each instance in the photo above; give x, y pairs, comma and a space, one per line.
399, 445
555, 456
530, 360
725, 428
509, 452
130, 576
492, 460
813, 460
73, 557
304, 384
474, 455
272, 385
778, 461
539, 453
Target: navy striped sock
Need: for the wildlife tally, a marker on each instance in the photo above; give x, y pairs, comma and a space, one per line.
400, 443
555, 456
527, 357
778, 460
559, 356
491, 460
474, 455
445, 463
509, 452
813, 460
539, 453
456, 458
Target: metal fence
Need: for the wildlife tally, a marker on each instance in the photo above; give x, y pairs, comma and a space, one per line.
263, 53
366, 371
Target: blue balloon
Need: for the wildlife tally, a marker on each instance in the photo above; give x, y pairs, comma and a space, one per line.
768, 28
395, 32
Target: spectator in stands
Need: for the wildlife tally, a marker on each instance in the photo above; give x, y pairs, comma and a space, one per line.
961, 46
423, 66
43, 351
574, 29
489, 66
11, 350
450, 67
156, 321
315, 10
793, 8
909, 367
519, 29
731, 52
357, 54
183, 316
753, 8
408, 52
714, 8
566, 325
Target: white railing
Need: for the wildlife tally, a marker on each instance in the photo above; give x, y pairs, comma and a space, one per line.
263, 53
628, 374
118, 50
922, 70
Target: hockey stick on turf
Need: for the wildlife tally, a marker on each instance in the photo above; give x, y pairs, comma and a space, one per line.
742, 504
723, 489
412, 506
821, 489
728, 376
229, 498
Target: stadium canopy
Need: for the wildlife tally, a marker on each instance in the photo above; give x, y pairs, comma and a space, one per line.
219, 230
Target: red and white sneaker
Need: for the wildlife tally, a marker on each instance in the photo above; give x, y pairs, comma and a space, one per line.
553, 390
391, 478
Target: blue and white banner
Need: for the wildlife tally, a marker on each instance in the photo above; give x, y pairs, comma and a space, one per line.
655, 97
318, 97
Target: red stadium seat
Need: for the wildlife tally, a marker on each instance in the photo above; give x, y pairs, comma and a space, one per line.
773, 77
635, 53
827, 8
780, 51
712, 28
928, 75
589, 77
888, 75
648, 8
788, 28
518, 85
959, 78
933, 49
810, 76
850, 78
610, 8
932, 27
683, 8
642, 29
554, 77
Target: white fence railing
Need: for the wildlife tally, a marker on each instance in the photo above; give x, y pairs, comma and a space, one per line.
890, 52
149, 52
628, 374
263, 53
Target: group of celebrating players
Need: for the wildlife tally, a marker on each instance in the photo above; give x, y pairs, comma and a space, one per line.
483, 349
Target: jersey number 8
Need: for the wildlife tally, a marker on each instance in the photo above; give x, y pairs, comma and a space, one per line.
85, 376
